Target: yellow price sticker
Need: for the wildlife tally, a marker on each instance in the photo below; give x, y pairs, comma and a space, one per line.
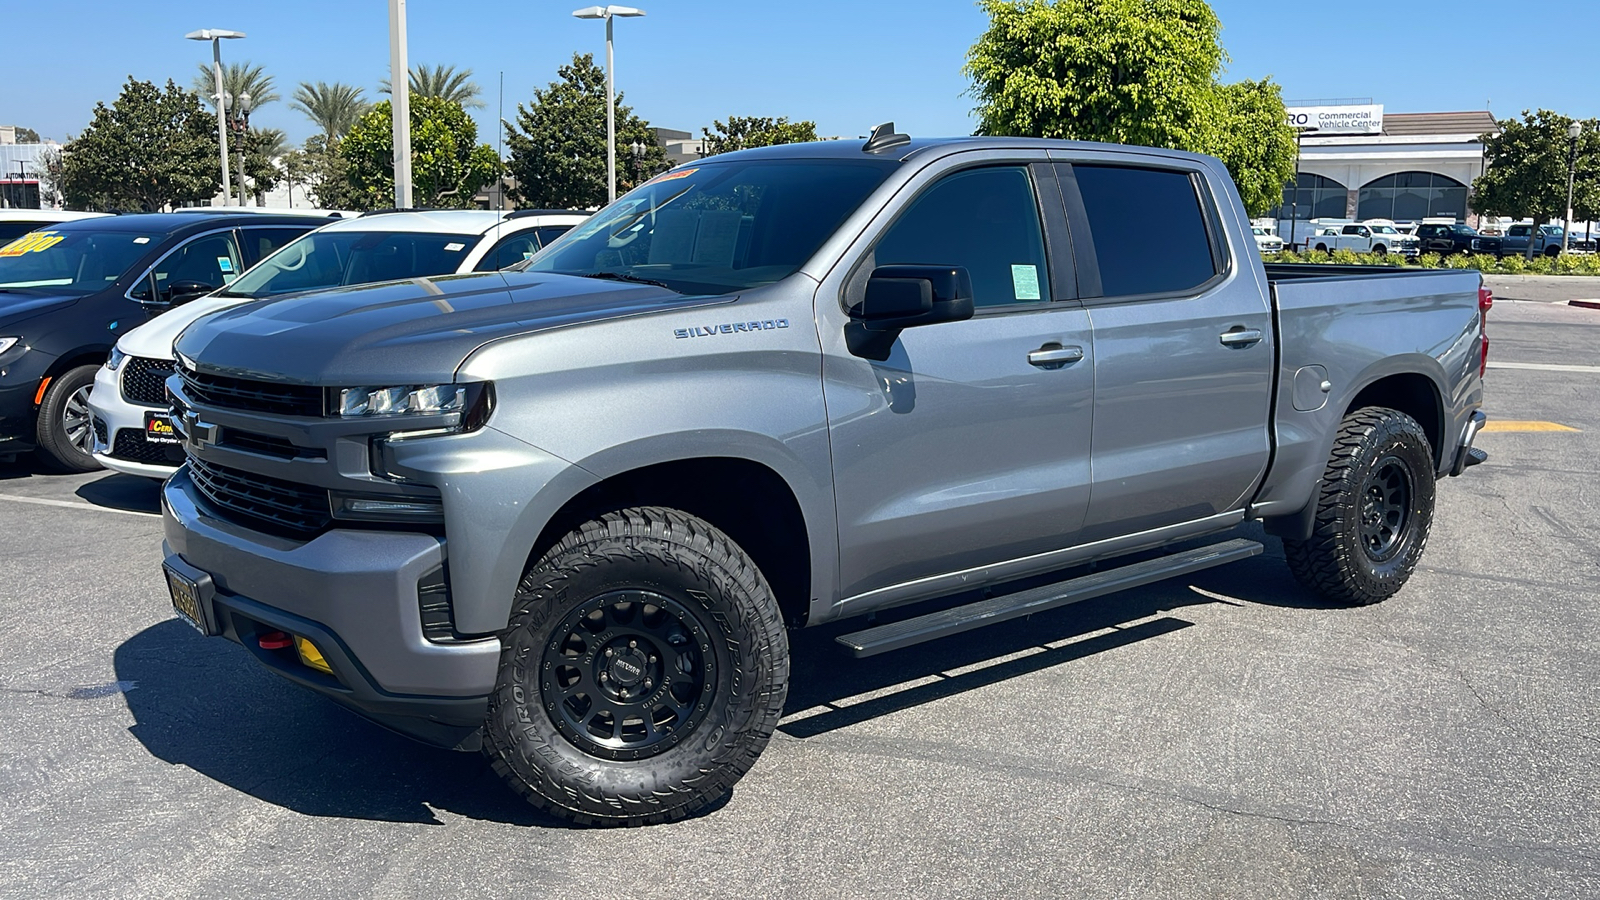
32, 242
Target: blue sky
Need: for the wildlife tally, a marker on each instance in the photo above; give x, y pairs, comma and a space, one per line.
846, 65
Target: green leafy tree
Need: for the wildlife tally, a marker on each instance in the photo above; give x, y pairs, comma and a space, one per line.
333, 107
1128, 72
448, 165
1525, 172
150, 148
327, 178
27, 135
262, 148
441, 83
743, 132
558, 143
238, 79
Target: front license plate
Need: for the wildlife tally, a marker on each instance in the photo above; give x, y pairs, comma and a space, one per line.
158, 429
187, 601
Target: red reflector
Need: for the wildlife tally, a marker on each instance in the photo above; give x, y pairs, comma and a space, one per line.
275, 640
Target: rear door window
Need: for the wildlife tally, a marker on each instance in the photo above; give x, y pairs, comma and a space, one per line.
260, 243
986, 220
212, 260
1120, 203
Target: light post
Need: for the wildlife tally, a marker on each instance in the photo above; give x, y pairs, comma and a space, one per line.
1574, 131
608, 13
239, 124
216, 36
638, 160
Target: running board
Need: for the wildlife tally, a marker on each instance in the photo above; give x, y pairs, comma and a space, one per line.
895, 635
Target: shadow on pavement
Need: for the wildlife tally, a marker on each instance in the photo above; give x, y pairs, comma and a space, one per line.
205, 704
125, 492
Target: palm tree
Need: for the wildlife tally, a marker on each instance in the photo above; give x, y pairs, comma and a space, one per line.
334, 107
443, 82
238, 79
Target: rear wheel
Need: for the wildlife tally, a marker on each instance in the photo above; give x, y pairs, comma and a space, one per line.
1374, 510
643, 671
1322, 248
64, 430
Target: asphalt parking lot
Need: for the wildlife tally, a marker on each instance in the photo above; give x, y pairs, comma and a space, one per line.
1224, 735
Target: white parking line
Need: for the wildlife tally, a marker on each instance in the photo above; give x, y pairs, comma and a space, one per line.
68, 504
1542, 367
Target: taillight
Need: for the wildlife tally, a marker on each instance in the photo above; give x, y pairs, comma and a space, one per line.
1485, 303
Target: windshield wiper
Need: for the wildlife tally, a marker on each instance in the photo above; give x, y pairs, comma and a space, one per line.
618, 276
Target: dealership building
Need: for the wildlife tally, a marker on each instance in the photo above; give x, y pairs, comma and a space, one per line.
1358, 163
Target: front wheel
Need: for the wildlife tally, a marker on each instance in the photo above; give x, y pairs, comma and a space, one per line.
64, 429
1380, 250
643, 671
1374, 510
1552, 252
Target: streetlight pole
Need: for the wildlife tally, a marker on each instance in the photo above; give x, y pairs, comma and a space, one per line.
1574, 131
400, 90
216, 36
239, 122
608, 13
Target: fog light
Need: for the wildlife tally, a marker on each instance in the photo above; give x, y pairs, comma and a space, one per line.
409, 509
311, 656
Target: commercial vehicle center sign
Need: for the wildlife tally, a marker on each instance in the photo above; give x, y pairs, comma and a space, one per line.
1338, 119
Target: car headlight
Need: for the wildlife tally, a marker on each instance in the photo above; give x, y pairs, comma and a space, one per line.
6, 343
112, 361
471, 401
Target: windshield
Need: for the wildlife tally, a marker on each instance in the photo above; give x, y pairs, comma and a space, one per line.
719, 227
1384, 229
1462, 229
326, 259
73, 262
1552, 230
1256, 229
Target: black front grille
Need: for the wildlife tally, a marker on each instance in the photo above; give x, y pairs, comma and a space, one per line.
100, 433
144, 380
132, 446
254, 396
267, 445
265, 504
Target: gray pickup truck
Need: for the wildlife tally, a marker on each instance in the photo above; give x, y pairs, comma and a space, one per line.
566, 513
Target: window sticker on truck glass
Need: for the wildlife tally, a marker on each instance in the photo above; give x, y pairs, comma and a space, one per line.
1025, 282
32, 242
674, 175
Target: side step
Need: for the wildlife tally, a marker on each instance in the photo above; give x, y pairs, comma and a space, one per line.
895, 635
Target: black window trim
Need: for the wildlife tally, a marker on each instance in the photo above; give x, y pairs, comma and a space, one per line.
1090, 288
1059, 267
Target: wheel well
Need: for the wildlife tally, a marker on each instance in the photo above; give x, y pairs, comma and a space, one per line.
752, 504
90, 357
1412, 394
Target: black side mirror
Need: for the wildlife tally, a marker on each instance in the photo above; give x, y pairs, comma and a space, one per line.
900, 297
184, 291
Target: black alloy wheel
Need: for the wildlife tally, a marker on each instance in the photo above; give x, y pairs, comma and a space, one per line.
629, 674
1385, 509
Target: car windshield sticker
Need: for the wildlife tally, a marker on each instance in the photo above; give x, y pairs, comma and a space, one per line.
141, 240
1025, 282
224, 264
673, 175
32, 242
453, 246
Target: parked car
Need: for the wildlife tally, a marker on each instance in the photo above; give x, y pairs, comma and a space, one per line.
1546, 240
1266, 241
69, 291
15, 223
1321, 238
133, 432
1380, 238
1448, 239
565, 512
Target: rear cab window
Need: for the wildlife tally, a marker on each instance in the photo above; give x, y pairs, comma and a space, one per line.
1117, 204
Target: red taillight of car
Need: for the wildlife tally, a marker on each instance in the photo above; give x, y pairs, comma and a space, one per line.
1485, 303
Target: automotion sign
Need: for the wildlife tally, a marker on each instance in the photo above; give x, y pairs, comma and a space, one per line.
1337, 119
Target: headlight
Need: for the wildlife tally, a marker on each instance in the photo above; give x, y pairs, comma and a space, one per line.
6, 343
112, 361
471, 401
395, 401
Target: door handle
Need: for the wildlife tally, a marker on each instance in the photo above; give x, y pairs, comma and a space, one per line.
1241, 337
1054, 356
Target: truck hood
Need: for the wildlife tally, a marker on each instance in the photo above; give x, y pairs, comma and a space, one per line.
21, 305
406, 332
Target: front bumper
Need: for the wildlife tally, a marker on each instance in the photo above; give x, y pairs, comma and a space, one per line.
355, 595
114, 414
21, 371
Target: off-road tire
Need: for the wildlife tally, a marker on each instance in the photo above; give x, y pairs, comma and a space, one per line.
1375, 448
56, 450
699, 571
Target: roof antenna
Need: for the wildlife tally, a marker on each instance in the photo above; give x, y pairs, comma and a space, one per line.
883, 138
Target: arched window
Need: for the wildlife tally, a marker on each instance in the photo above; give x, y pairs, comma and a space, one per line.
1319, 198
1413, 196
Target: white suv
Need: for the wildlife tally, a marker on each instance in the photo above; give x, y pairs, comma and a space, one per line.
133, 432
